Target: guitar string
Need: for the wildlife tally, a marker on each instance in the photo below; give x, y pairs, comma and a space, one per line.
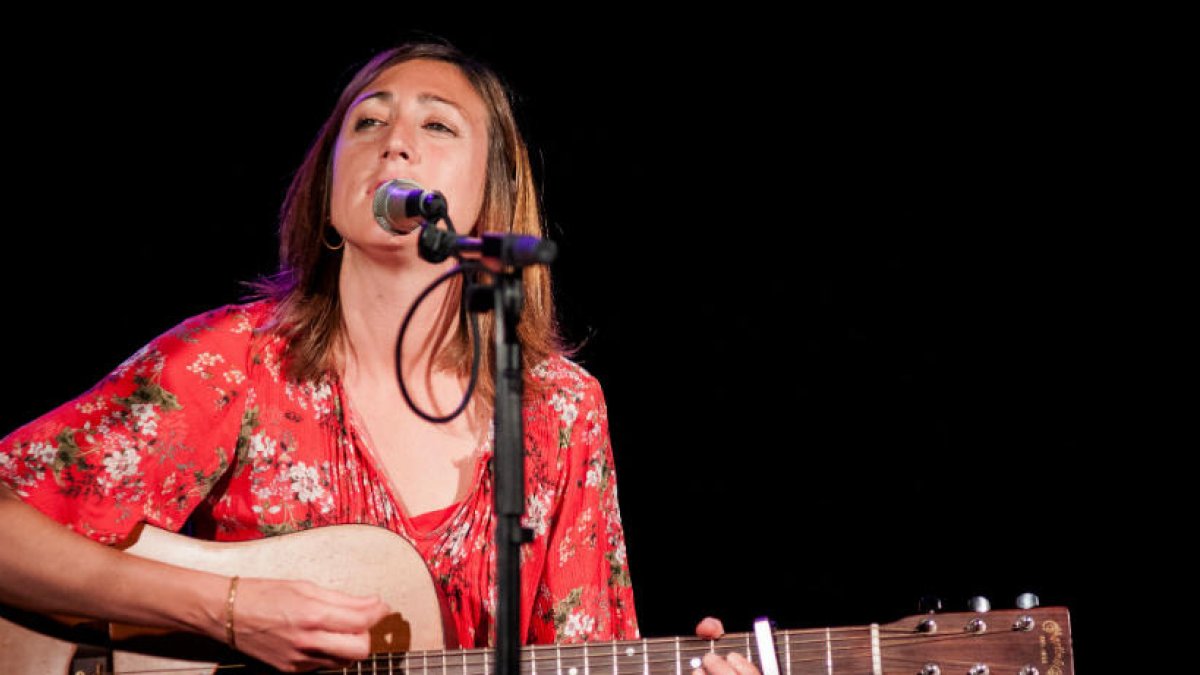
399, 665
818, 637
667, 645
661, 651
474, 660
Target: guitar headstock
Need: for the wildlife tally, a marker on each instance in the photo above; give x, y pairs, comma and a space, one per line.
1034, 641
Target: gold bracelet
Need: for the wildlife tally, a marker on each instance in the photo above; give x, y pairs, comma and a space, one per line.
229, 636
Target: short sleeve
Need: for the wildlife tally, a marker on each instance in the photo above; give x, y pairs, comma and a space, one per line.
145, 444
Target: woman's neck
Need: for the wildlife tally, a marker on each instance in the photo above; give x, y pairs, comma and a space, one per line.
375, 297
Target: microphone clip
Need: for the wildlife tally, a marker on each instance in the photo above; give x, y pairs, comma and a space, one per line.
505, 250
436, 244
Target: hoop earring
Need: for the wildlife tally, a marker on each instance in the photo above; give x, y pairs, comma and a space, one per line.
325, 240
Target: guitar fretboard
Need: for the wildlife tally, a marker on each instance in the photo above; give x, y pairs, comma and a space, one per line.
798, 652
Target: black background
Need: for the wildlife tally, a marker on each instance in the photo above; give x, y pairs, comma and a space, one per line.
845, 280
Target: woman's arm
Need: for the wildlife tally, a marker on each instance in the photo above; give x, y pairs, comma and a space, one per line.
46, 568
49, 569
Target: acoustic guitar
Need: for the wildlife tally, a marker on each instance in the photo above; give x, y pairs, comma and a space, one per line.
364, 559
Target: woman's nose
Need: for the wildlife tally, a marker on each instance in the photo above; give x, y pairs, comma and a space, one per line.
399, 147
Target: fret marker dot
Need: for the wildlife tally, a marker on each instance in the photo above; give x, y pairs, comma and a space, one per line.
573, 671
695, 662
629, 651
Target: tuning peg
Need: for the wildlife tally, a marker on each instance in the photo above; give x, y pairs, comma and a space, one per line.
928, 604
979, 604
1028, 601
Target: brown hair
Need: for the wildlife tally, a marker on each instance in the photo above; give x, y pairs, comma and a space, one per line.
306, 286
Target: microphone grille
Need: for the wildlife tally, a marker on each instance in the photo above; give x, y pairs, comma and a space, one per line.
382, 200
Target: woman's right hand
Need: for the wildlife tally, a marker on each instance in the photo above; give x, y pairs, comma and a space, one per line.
296, 625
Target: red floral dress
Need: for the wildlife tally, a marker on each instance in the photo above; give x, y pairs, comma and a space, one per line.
202, 424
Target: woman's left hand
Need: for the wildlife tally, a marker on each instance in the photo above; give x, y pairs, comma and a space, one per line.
713, 663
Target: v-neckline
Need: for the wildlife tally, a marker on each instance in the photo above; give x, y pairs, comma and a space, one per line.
361, 438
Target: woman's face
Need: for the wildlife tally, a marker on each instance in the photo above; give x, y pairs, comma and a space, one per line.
419, 120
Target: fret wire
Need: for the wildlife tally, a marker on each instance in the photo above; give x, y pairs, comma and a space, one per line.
828, 653
678, 664
425, 662
557, 659
615, 667
587, 666
787, 651
645, 658
876, 660
464, 662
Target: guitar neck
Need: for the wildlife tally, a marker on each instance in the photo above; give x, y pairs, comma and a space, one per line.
1028, 641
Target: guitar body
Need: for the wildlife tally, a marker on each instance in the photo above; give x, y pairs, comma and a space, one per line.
357, 559
24, 651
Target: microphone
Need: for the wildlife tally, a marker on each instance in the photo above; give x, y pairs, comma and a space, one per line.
398, 201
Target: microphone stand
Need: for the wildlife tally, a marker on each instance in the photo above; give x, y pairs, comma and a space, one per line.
509, 471
513, 253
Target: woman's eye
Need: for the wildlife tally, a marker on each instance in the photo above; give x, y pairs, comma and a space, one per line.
438, 126
367, 122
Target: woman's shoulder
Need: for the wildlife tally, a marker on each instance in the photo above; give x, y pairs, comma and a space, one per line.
561, 373
240, 318
221, 333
